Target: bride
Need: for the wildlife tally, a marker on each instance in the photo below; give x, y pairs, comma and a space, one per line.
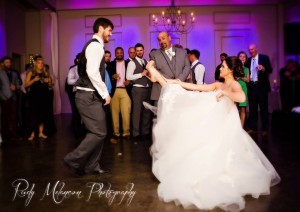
201, 155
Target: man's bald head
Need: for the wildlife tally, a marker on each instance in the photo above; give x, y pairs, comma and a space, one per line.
163, 34
164, 40
252, 50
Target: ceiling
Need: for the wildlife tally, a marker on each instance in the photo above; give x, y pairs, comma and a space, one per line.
55, 5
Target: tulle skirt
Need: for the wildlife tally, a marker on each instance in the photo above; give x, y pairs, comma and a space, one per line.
202, 156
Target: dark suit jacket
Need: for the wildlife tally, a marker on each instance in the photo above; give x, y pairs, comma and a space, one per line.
112, 69
263, 76
177, 68
5, 92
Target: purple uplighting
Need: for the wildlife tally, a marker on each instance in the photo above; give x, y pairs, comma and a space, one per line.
93, 4
2, 39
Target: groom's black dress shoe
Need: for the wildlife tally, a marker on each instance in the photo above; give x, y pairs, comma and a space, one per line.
72, 170
99, 171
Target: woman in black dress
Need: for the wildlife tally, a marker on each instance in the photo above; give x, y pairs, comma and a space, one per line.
37, 83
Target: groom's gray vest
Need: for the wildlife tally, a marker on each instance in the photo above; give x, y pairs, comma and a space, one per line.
84, 81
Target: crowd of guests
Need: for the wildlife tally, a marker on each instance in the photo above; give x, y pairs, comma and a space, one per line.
26, 101
256, 86
27, 97
129, 87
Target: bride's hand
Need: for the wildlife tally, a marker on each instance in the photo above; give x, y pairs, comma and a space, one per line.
220, 95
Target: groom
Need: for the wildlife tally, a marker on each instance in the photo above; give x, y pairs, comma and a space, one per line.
91, 97
170, 61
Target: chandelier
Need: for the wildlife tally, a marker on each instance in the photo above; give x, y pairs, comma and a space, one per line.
173, 20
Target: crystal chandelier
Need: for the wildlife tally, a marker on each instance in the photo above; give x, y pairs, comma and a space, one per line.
173, 20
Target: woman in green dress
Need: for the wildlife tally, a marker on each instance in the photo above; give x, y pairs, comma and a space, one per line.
243, 82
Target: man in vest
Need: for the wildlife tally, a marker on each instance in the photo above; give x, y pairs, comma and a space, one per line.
141, 92
197, 69
91, 96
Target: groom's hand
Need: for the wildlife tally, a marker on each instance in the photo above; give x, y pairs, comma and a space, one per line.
144, 73
107, 100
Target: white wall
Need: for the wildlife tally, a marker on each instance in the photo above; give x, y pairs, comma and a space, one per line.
218, 29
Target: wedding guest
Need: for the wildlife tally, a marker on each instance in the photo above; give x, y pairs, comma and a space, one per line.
37, 83
120, 102
131, 54
243, 82
170, 61
10, 84
50, 127
136, 72
107, 56
217, 71
258, 89
73, 76
197, 68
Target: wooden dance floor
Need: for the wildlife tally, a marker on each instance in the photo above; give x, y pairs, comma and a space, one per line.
33, 177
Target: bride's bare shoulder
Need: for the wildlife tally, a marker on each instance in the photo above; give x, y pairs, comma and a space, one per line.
235, 83
218, 85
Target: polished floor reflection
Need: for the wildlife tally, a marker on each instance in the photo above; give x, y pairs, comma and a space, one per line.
33, 178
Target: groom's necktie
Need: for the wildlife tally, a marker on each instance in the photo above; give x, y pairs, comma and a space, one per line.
253, 70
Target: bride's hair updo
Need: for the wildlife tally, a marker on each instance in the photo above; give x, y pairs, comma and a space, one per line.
236, 65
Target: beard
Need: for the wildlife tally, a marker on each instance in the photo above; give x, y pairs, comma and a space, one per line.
120, 58
105, 38
163, 46
140, 55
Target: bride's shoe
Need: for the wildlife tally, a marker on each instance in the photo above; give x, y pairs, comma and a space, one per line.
154, 76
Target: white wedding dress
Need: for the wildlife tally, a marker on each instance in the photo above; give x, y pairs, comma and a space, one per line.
202, 156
